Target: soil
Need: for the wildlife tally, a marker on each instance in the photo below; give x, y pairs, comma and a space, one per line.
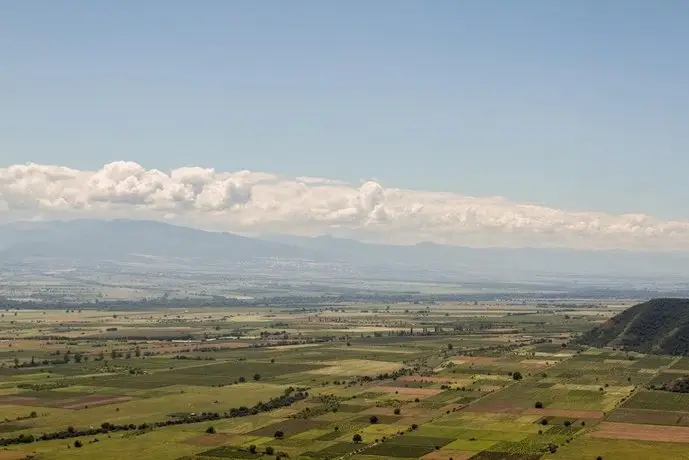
634, 431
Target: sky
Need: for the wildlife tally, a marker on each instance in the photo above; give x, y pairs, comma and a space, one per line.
534, 108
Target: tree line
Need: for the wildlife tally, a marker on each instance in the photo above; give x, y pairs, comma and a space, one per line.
289, 397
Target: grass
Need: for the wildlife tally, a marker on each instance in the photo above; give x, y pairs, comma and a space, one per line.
288, 427
496, 424
658, 400
230, 452
390, 449
612, 449
682, 364
203, 375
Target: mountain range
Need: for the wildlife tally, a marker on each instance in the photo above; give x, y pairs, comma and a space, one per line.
119, 240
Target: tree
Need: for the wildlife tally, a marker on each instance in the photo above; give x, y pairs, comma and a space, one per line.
210, 430
357, 438
373, 419
538, 405
517, 375
257, 377
252, 448
270, 450
397, 411
279, 434
137, 352
450, 346
77, 443
242, 379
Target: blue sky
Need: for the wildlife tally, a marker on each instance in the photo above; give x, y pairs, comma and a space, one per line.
577, 105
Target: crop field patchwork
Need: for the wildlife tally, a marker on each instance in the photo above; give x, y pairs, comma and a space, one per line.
335, 384
208, 375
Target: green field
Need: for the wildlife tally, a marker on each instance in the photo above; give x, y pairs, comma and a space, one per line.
363, 381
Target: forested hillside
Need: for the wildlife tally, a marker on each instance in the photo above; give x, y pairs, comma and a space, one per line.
656, 326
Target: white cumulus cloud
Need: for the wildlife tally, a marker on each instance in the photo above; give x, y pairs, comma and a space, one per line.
255, 202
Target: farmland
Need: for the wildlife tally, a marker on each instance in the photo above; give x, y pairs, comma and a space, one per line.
480, 381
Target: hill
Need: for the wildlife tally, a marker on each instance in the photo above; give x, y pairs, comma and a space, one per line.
656, 326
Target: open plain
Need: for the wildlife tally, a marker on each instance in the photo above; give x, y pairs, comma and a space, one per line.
373, 381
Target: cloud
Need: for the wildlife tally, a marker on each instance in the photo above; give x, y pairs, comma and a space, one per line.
321, 180
254, 202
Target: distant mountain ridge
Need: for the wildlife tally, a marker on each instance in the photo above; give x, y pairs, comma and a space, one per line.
656, 326
489, 260
96, 240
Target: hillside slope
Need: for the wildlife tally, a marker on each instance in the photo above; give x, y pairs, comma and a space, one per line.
656, 326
